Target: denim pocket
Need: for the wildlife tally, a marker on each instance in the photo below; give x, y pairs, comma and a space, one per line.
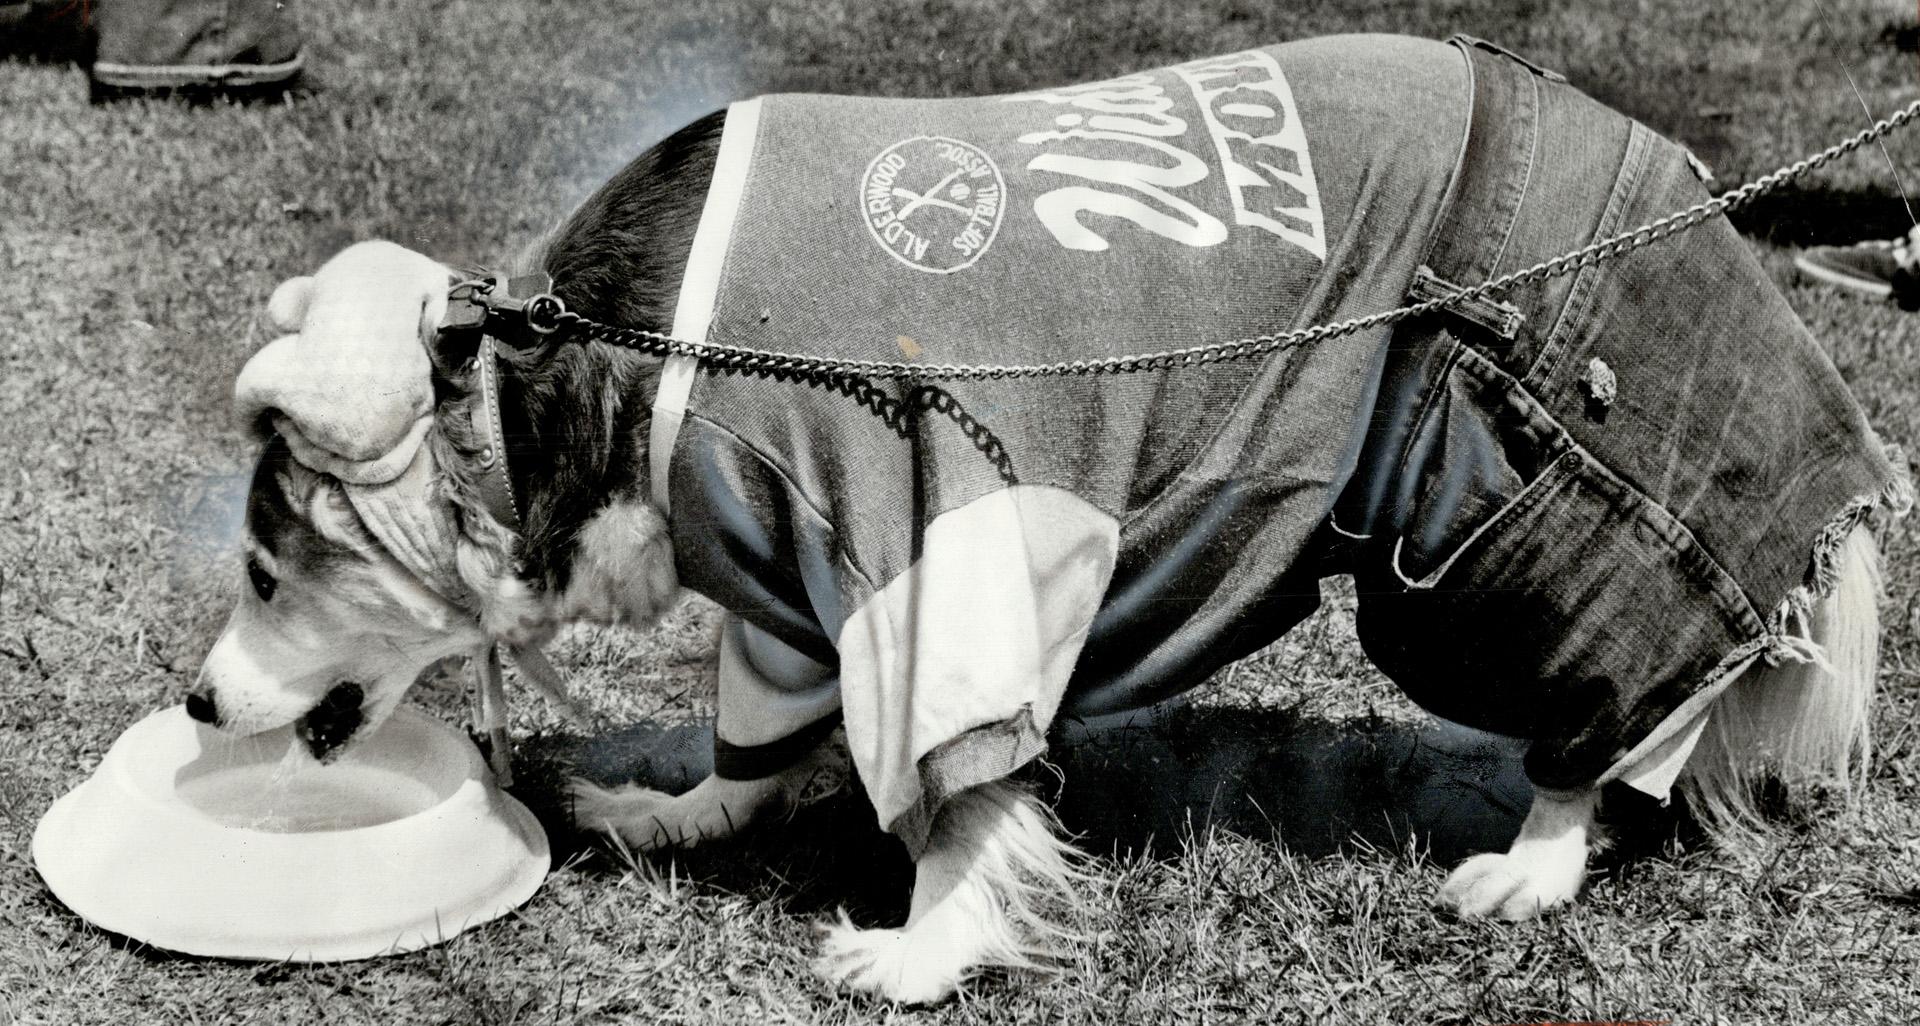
1580, 613
1481, 447
1559, 476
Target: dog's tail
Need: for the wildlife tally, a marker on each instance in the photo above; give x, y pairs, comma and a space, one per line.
1802, 718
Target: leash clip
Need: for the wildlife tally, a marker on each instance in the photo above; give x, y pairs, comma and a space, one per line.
466, 306
521, 313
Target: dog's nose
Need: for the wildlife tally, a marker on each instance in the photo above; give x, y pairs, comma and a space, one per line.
200, 706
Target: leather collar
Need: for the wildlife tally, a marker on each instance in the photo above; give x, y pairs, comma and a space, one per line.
495, 482
502, 310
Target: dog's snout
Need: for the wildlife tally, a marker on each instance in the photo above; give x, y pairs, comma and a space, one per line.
200, 706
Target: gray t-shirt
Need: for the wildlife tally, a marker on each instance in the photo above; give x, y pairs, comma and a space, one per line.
954, 565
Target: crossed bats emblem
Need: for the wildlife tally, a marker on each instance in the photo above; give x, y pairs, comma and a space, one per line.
931, 197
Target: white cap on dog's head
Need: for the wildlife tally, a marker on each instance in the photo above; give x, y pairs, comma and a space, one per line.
351, 389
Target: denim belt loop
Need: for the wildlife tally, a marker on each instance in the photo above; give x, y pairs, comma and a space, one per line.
1463, 39
1502, 144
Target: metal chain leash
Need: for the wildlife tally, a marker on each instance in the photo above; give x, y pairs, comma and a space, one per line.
547, 316
903, 415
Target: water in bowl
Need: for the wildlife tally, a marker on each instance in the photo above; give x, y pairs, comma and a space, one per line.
315, 799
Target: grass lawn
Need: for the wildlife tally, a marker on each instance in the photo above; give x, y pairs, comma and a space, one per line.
139, 240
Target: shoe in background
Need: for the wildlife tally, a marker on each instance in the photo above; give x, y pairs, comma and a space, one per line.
188, 44
1883, 269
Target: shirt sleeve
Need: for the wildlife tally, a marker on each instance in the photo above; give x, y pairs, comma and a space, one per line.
951, 673
945, 646
776, 704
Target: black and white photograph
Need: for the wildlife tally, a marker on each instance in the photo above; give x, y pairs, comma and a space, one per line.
831, 512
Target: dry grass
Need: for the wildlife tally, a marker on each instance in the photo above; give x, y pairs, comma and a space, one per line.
138, 240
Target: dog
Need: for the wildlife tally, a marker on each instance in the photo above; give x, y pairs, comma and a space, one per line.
1622, 513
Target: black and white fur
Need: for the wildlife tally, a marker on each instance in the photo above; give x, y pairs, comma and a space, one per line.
996, 872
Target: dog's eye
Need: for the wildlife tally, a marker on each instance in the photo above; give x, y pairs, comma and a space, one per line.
263, 582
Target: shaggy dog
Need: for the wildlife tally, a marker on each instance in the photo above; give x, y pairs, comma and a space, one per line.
1620, 513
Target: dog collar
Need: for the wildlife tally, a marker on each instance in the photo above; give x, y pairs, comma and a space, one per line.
505, 312
494, 483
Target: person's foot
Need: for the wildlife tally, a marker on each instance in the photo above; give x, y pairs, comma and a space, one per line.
232, 47
1887, 269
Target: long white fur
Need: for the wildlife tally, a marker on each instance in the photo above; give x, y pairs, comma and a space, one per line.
1803, 718
987, 891
1800, 719
623, 573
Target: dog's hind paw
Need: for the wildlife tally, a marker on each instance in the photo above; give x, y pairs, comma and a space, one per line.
1513, 886
905, 966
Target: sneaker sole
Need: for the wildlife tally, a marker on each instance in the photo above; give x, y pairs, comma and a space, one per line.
1871, 287
165, 76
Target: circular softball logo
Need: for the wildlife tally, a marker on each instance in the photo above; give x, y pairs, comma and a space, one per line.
933, 203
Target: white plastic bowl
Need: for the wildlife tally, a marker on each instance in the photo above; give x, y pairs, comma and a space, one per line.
192, 841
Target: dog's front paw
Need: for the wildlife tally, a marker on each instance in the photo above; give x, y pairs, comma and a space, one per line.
1515, 886
907, 966
649, 819
642, 817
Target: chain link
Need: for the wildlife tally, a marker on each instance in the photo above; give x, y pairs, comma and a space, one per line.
902, 415
1614, 246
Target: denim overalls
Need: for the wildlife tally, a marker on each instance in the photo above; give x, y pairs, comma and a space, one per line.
1585, 506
